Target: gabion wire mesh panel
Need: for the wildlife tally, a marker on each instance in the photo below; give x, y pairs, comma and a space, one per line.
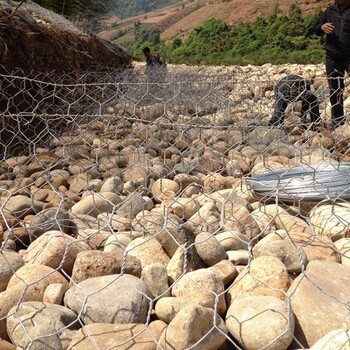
162, 213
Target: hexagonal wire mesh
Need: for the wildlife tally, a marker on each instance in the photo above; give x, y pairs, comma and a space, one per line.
135, 213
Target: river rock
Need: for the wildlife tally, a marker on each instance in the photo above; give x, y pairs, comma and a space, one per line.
293, 258
195, 286
238, 257
184, 207
95, 204
167, 307
39, 320
332, 220
19, 206
148, 250
95, 263
131, 206
112, 299
116, 244
232, 240
267, 276
55, 249
194, 324
155, 277
112, 184
343, 245
319, 301
337, 339
49, 220
131, 336
225, 270
162, 186
257, 321
10, 262
29, 283
209, 249
54, 293
216, 182
184, 260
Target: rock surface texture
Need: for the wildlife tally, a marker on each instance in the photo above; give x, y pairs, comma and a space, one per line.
131, 222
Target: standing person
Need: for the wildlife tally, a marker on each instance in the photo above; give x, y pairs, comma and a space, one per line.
290, 89
151, 64
335, 22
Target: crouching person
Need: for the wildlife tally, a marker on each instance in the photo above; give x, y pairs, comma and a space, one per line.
293, 88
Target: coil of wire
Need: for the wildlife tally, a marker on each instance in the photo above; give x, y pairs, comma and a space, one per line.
310, 183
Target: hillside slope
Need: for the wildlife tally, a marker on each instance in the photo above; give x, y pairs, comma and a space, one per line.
179, 19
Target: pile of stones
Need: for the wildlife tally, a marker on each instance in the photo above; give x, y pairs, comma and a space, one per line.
143, 234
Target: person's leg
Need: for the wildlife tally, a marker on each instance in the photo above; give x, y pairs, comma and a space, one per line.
335, 74
280, 107
312, 107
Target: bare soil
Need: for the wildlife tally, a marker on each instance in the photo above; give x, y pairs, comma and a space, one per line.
175, 21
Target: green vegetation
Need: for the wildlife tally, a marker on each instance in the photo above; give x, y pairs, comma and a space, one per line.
285, 38
144, 36
118, 34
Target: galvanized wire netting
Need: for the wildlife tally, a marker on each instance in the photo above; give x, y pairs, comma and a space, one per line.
162, 212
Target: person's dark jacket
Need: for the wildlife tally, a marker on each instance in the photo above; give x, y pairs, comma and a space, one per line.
338, 42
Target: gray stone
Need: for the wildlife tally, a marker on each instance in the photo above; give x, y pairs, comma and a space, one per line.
48, 220
112, 299
131, 206
155, 277
39, 320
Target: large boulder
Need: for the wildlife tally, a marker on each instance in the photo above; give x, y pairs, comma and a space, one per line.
319, 300
201, 287
39, 325
257, 321
29, 283
194, 324
55, 249
266, 275
111, 299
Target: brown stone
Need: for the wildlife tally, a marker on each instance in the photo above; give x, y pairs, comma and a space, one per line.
122, 336
320, 300
265, 275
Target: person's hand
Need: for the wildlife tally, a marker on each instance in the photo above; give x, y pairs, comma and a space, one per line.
328, 27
